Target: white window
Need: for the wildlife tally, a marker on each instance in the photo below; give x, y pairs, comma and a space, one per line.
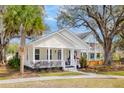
50, 54
37, 54
92, 55
59, 54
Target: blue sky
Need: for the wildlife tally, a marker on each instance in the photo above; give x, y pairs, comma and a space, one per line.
51, 14
50, 19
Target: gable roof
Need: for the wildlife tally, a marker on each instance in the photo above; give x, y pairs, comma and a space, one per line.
76, 37
72, 39
43, 37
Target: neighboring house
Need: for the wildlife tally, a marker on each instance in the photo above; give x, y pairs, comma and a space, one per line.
96, 50
59, 49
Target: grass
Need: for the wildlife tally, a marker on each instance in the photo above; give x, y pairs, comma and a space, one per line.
3, 78
39, 74
119, 73
60, 74
69, 83
3, 71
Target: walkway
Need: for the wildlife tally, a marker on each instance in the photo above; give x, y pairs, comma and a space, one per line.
87, 75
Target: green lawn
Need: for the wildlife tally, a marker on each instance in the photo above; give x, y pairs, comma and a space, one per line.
59, 74
3, 78
119, 73
69, 83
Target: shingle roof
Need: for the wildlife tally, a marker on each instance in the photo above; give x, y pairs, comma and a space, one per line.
83, 35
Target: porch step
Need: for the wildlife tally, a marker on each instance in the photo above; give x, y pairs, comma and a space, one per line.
69, 66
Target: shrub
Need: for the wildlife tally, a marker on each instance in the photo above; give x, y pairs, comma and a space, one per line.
83, 62
14, 62
116, 58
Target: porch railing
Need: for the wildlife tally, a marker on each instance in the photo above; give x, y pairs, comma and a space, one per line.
95, 49
46, 63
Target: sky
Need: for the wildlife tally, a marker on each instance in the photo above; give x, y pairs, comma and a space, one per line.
51, 14
50, 19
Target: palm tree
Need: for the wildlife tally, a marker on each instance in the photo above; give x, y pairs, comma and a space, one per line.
25, 21
3, 36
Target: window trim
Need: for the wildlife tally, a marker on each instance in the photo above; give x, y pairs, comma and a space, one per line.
59, 54
37, 54
93, 56
50, 54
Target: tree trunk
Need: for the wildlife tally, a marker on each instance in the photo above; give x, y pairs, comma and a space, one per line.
108, 54
22, 49
108, 58
1, 56
21, 60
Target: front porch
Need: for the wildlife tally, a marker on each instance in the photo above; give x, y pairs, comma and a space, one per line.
40, 57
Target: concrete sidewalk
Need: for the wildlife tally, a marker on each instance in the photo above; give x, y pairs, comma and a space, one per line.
60, 77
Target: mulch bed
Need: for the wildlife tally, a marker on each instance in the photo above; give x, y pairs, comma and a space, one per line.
103, 68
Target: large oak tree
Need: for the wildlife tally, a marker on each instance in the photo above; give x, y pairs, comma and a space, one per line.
105, 21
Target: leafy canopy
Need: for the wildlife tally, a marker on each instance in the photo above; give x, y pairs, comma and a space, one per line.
30, 16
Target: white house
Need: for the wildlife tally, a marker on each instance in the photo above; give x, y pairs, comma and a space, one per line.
59, 49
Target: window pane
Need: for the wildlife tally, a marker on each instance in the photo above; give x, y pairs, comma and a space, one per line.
59, 54
50, 54
37, 57
92, 56
47, 54
37, 51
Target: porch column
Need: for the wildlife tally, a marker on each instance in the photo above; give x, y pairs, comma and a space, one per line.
72, 57
95, 52
48, 54
33, 54
88, 52
62, 59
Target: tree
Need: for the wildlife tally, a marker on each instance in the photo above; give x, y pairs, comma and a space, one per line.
12, 48
25, 21
119, 42
4, 37
1, 33
104, 21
